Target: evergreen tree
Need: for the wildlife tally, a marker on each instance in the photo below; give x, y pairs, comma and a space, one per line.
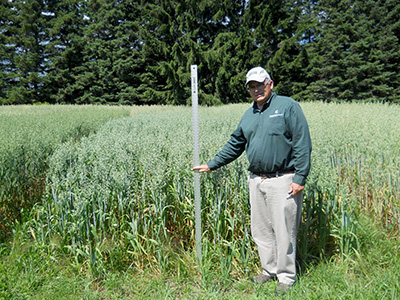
271, 23
7, 67
273, 28
24, 63
108, 47
352, 57
386, 50
228, 55
66, 23
140, 52
177, 34
164, 39
289, 62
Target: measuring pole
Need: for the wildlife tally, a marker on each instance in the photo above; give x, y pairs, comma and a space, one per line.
196, 160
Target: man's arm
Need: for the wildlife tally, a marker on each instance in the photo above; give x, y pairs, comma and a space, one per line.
301, 143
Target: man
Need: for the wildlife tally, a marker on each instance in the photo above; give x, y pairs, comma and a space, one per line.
274, 132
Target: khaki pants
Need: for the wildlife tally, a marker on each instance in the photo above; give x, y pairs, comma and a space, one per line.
274, 224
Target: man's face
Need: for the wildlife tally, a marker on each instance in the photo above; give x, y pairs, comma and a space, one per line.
260, 91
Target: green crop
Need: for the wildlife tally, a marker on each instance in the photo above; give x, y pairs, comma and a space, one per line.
29, 135
128, 188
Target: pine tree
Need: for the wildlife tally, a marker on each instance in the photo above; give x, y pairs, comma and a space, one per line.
385, 51
65, 24
353, 55
289, 62
7, 67
163, 38
25, 52
107, 47
140, 52
227, 56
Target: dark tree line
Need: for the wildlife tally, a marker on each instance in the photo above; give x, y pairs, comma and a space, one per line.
140, 52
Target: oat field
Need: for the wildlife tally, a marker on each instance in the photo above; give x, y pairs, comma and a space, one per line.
115, 192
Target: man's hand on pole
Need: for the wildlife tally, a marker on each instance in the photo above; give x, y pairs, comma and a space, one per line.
202, 168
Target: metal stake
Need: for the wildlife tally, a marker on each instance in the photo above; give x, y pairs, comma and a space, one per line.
196, 160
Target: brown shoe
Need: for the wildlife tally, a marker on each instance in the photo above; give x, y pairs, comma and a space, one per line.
282, 289
261, 278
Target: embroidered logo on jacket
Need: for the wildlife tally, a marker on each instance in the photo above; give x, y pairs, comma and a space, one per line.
276, 114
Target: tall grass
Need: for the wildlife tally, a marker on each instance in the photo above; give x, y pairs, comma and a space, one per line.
125, 193
355, 169
29, 135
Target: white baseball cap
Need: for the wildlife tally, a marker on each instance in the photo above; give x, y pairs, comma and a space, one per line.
257, 74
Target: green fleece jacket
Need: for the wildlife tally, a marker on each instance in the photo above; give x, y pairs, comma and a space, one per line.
276, 138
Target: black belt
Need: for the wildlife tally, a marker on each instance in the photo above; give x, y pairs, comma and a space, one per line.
273, 174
